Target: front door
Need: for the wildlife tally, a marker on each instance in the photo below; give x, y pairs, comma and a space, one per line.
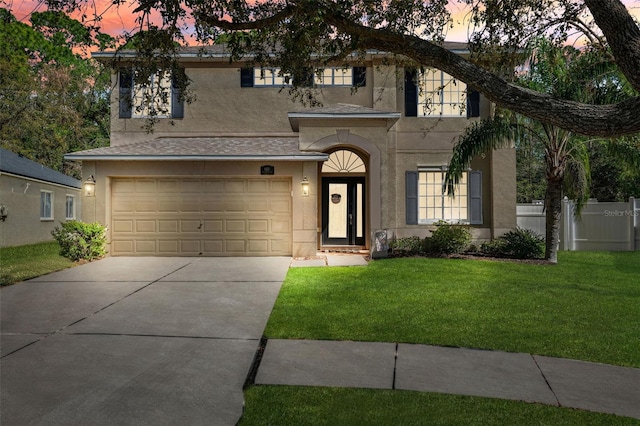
343, 211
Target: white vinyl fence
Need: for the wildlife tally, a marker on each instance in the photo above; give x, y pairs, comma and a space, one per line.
600, 226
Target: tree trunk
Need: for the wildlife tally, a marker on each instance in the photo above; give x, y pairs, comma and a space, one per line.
553, 206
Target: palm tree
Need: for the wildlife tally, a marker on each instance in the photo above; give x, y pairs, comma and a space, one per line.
585, 76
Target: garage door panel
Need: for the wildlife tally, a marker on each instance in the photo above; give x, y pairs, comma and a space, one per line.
148, 226
258, 225
169, 247
280, 186
208, 216
145, 246
190, 247
188, 205
281, 206
123, 225
145, 186
281, 226
167, 225
258, 246
238, 186
190, 226
258, 186
191, 186
214, 247
123, 247
235, 246
213, 225
145, 206
258, 206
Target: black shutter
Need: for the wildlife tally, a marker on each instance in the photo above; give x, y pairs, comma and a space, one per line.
473, 104
475, 197
177, 103
359, 76
411, 185
125, 87
410, 94
246, 77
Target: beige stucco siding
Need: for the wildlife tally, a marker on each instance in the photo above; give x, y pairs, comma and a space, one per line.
21, 196
222, 107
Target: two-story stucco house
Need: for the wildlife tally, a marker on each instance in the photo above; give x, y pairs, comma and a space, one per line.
246, 171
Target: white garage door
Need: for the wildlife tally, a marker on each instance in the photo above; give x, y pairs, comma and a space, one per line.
230, 216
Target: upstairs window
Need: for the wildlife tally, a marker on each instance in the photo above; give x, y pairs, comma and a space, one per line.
434, 93
270, 77
440, 94
156, 97
325, 77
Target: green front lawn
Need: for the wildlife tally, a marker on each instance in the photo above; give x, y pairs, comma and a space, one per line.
291, 405
586, 307
23, 262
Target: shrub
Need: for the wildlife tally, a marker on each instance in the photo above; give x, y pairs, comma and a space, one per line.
519, 243
448, 239
81, 241
407, 246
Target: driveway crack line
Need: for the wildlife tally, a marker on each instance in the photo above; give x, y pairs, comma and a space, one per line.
546, 381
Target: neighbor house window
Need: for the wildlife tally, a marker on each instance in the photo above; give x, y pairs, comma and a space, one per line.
426, 203
46, 205
156, 97
70, 208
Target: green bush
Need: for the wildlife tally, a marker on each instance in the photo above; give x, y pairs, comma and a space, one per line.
407, 246
519, 243
81, 241
448, 239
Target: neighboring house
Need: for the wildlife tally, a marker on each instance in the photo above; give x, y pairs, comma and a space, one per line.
245, 170
33, 200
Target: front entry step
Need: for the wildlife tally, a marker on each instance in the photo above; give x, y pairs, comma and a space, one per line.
344, 249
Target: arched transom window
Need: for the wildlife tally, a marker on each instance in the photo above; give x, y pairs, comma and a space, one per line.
344, 161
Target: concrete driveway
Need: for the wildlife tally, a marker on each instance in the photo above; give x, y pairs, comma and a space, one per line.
135, 341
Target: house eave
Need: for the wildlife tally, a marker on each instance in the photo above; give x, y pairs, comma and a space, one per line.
310, 157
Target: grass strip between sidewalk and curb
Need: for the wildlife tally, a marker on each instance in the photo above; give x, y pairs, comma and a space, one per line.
297, 405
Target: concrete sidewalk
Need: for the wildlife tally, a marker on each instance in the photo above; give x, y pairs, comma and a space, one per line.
531, 378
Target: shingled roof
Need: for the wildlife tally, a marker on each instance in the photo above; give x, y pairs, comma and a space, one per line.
204, 148
15, 164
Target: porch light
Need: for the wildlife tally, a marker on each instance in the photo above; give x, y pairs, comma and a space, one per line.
90, 187
305, 186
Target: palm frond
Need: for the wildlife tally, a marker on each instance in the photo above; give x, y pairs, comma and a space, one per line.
627, 151
479, 138
577, 176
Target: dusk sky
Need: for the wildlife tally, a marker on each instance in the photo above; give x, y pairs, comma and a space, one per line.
118, 20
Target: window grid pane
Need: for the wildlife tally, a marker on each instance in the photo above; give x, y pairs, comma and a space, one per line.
70, 210
46, 211
153, 98
441, 95
270, 77
433, 205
